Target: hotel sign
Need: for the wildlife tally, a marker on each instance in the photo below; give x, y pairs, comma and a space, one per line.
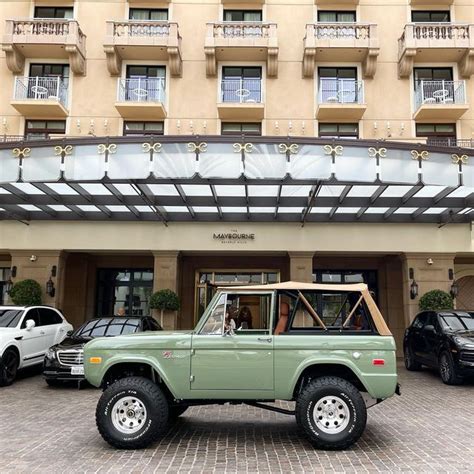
233, 237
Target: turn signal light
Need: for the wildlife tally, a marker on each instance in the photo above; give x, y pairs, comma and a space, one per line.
378, 361
95, 360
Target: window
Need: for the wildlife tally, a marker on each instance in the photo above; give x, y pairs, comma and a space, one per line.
9, 318
428, 16
108, 327
124, 288
253, 129
338, 72
432, 74
50, 70
338, 84
145, 72
54, 12
42, 129
440, 134
31, 314
239, 313
146, 14
457, 322
241, 84
242, 15
149, 324
336, 16
339, 130
49, 317
143, 128
145, 83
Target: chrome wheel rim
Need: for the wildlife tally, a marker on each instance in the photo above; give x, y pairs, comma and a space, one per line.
331, 414
129, 415
444, 368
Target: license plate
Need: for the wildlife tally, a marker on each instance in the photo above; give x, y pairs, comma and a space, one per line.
77, 370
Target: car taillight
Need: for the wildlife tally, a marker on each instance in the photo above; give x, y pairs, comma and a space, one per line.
378, 361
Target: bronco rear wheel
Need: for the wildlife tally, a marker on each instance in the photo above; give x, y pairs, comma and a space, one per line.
331, 412
132, 413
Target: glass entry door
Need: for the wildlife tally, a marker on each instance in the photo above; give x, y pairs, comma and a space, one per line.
124, 291
208, 281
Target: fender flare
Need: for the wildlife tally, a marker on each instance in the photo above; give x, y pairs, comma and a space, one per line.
326, 361
119, 359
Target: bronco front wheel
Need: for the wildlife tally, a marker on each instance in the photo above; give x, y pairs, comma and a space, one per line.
331, 412
132, 413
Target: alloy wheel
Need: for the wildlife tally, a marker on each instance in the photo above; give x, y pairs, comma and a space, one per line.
10, 363
445, 368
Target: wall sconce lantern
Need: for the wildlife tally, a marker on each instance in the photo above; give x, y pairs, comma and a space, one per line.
454, 290
50, 289
414, 284
8, 286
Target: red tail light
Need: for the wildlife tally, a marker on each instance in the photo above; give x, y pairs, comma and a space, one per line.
378, 361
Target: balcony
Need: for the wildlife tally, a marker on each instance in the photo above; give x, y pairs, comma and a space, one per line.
137, 39
44, 38
141, 98
341, 42
241, 99
340, 99
434, 43
435, 100
241, 41
40, 97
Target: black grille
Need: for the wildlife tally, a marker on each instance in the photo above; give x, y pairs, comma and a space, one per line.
467, 356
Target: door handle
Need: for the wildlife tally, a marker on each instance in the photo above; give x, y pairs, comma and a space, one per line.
265, 339
42, 333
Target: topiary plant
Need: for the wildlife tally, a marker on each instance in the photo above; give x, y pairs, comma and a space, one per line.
26, 293
436, 300
164, 300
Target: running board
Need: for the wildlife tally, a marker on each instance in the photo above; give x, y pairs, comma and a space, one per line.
269, 408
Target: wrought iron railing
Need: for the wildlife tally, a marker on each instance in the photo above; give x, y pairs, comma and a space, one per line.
151, 89
342, 30
440, 92
447, 141
41, 88
241, 90
242, 29
342, 91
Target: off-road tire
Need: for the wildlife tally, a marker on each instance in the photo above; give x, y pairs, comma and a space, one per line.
447, 370
410, 362
146, 393
176, 411
9, 367
311, 398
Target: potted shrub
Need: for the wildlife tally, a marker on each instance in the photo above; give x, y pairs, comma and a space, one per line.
164, 300
26, 293
436, 300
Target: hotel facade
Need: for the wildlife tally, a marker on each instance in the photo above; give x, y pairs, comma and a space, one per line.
188, 144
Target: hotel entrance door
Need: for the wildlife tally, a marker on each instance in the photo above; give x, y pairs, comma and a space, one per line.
208, 280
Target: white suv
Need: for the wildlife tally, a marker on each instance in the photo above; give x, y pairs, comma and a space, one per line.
26, 333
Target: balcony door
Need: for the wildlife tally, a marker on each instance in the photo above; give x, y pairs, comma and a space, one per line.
434, 85
148, 14
430, 16
145, 83
241, 84
47, 81
326, 16
338, 84
242, 15
66, 13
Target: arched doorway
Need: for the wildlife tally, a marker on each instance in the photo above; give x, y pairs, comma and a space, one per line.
465, 298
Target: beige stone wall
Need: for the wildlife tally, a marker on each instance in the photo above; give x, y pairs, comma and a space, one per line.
192, 98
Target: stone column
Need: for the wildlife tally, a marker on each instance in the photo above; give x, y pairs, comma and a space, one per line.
166, 276
431, 272
38, 265
301, 266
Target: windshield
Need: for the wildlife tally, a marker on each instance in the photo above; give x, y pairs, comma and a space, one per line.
457, 323
9, 318
107, 327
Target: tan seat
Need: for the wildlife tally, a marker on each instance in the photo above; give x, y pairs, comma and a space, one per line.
283, 320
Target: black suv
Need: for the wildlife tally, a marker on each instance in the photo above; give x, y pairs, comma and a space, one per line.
443, 340
65, 361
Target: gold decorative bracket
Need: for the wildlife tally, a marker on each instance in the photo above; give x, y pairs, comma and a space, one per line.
420, 155
197, 147
21, 152
377, 152
459, 159
292, 148
112, 148
59, 150
240, 147
333, 150
156, 147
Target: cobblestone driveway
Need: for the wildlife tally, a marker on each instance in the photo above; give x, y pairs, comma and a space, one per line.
429, 428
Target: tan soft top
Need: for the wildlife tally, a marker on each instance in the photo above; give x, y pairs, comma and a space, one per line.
377, 317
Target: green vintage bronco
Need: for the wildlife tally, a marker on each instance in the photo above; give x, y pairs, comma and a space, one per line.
325, 347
